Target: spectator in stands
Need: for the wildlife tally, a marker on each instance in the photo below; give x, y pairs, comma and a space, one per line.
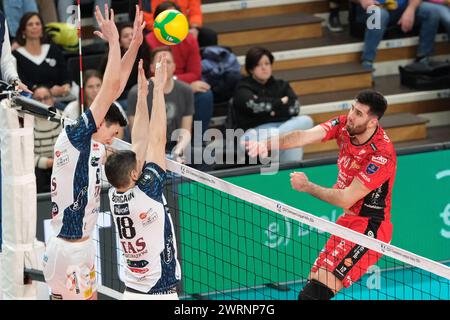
334, 21
39, 62
192, 9
404, 13
92, 81
67, 12
266, 106
188, 69
126, 34
14, 10
45, 135
444, 13
179, 105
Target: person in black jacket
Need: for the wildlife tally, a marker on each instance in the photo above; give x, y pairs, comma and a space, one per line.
266, 106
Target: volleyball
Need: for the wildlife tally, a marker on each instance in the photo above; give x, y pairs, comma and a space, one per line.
171, 27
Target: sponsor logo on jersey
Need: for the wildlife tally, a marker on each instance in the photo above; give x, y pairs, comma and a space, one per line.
121, 209
95, 147
80, 202
122, 198
62, 161
380, 160
373, 146
334, 122
55, 209
94, 161
348, 262
355, 165
168, 251
148, 217
371, 168
53, 187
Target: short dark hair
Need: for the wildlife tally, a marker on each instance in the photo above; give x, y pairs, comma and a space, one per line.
374, 100
157, 50
254, 55
164, 6
114, 115
118, 167
20, 33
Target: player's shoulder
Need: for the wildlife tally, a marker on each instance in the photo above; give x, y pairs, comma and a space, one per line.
382, 144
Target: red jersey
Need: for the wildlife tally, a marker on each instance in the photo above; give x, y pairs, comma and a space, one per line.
374, 163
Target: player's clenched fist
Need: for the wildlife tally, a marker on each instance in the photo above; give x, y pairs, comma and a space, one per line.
299, 181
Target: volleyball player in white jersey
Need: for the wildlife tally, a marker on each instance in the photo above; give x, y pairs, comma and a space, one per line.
69, 268
145, 228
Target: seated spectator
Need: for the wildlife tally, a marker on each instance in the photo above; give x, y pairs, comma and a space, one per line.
192, 9
444, 14
45, 135
188, 69
266, 106
92, 81
404, 13
125, 36
179, 105
41, 63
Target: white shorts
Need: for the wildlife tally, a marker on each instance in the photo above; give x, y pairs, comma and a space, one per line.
138, 296
69, 269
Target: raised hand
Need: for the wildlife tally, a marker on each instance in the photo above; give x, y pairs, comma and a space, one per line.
160, 78
255, 148
108, 30
142, 80
138, 27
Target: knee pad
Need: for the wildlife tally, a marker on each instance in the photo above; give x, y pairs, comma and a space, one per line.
315, 290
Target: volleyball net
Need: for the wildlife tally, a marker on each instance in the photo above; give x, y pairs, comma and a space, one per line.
235, 244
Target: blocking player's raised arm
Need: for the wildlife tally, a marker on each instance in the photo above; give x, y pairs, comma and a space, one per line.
111, 79
158, 120
140, 133
129, 57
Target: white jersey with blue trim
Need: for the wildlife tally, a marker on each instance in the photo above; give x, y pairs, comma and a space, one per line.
76, 179
146, 233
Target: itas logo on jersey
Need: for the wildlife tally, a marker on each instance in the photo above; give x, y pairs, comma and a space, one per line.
371, 168
135, 249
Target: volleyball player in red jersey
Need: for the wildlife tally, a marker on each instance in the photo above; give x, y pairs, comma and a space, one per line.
367, 165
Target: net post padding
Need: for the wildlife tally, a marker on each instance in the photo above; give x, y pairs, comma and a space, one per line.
20, 248
302, 216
